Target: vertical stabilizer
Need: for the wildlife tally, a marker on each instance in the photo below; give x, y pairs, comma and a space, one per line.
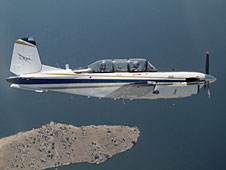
25, 58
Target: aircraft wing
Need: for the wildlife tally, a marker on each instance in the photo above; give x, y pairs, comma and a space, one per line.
134, 90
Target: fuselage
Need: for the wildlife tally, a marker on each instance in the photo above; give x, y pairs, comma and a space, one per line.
102, 85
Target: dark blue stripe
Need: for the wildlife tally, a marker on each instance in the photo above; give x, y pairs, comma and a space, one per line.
65, 81
29, 41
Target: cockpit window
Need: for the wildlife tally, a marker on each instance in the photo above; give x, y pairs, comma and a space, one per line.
121, 65
102, 66
137, 65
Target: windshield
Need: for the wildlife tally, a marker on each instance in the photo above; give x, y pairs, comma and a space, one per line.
150, 67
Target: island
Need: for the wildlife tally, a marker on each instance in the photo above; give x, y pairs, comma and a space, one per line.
56, 144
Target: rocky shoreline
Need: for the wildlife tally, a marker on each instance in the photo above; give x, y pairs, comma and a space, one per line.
56, 144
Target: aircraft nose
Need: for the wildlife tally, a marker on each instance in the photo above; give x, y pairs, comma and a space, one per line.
210, 78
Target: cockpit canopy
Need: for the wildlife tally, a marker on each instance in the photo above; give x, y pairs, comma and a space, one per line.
119, 65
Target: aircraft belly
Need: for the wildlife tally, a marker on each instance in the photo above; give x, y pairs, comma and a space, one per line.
100, 92
85, 89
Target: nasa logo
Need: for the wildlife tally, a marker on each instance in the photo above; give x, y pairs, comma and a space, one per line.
26, 59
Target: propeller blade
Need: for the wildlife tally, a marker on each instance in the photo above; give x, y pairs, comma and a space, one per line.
207, 62
208, 91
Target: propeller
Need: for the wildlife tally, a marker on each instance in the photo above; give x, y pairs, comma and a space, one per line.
207, 72
207, 62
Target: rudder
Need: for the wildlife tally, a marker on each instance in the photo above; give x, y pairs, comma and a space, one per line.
25, 58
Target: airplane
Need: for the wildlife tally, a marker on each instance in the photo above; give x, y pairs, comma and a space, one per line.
134, 78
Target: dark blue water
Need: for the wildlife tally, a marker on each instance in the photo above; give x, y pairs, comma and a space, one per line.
176, 134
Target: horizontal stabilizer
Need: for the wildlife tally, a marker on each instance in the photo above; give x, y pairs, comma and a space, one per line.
27, 88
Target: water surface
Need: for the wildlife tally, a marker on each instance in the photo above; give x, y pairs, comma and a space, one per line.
176, 134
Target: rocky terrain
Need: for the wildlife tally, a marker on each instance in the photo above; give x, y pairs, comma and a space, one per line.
57, 144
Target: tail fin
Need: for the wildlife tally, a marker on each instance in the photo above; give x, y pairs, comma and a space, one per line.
25, 58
